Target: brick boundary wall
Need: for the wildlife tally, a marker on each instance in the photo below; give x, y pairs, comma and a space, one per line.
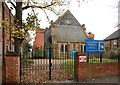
12, 69
3, 75
0, 69
86, 71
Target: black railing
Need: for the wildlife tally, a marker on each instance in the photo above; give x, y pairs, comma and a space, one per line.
101, 58
46, 68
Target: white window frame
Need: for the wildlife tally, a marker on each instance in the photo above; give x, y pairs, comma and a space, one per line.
67, 21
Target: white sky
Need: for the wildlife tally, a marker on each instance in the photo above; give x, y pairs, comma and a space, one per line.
99, 16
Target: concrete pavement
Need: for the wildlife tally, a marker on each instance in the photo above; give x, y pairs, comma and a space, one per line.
112, 80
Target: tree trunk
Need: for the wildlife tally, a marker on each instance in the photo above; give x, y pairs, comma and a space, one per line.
17, 44
18, 21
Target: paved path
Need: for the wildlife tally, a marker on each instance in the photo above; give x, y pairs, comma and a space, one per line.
112, 79
104, 80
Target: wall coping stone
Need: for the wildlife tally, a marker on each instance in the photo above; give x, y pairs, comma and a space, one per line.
11, 54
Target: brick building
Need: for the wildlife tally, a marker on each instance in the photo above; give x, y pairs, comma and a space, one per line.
0, 29
0, 45
113, 41
66, 35
39, 39
6, 41
8, 16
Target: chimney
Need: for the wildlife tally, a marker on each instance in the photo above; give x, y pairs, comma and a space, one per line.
84, 29
46, 28
52, 24
90, 35
83, 26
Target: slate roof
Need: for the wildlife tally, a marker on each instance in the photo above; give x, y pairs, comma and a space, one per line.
67, 16
70, 34
114, 35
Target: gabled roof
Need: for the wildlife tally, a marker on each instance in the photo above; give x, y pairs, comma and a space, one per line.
67, 16
71, 31
70, 34
114, 35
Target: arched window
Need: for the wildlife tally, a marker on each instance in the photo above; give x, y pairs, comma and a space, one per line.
73, 46
66, 48
62, 48
84, 48
81, 48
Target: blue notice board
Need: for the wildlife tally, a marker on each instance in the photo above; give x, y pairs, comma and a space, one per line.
95, 46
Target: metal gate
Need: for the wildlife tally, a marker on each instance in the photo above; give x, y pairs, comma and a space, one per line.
44, 69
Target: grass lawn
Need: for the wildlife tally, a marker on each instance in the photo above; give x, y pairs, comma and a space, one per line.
69, 66
59, 58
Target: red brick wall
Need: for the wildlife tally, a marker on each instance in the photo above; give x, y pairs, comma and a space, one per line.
91, 36
3, 74
12, 69
0, 69
86, 71
8, 16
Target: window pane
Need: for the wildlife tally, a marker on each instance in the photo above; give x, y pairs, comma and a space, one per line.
62, 48
66, 48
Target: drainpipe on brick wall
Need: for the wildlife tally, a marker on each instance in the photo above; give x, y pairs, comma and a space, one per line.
10, 29
3, 47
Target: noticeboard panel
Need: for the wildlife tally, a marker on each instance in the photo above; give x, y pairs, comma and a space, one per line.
95, 46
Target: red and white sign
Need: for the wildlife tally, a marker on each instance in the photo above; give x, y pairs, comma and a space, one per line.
82, 58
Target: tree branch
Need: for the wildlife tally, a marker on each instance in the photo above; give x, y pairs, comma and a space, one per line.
34, 6
46, 15
13, 5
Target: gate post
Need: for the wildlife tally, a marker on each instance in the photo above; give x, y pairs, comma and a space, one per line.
12, 61
76, 67
50, 64
80, 67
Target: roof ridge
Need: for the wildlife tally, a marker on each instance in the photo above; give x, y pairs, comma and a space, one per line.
68, 11
112, 35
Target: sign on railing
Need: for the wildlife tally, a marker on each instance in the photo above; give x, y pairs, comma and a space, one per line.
82, 58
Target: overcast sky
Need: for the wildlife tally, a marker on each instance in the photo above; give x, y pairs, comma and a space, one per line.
99, 16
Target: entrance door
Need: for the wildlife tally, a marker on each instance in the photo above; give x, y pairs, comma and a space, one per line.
73, 53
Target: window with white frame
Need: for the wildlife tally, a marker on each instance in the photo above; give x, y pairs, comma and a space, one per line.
67, 21
81, 48
62, 48
66, 48
115, 42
